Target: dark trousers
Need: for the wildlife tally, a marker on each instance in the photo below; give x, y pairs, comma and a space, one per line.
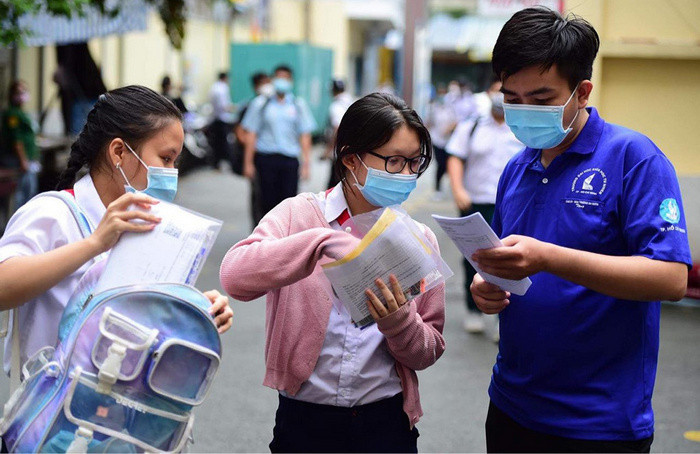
219, 136
377, 427
256, 213
278, 176
441, 160
486, 210
503, 434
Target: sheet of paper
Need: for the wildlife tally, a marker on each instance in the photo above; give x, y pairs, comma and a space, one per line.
388, 248
174, 251
471, 233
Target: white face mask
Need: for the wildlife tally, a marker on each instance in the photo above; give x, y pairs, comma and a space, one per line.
266, 90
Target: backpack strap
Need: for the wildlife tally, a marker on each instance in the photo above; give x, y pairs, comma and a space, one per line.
86, 229
471, 136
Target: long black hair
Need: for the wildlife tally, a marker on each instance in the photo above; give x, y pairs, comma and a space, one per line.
370, 122
133, 113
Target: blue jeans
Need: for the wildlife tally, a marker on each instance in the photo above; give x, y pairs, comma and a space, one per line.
27, 187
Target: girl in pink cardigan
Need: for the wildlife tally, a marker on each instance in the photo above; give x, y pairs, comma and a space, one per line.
342, 388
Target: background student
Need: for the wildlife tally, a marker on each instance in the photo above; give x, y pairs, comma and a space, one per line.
279, 135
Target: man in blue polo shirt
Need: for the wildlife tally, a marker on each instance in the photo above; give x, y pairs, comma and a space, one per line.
279, 128
592, 213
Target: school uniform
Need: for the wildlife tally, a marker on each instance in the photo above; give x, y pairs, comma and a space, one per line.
574, 363
279, 125
39, 226
341, 388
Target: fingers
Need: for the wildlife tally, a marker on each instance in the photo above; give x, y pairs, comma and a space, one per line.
225, 327
489, 298
220, 309
137, 214
376, 307
391, 303
496, 254
131, 198
224, 320
489, 306
397, 290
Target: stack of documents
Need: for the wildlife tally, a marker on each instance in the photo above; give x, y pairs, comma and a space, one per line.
390, 247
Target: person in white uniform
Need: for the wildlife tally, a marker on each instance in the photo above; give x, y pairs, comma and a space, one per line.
478, 152
130, 133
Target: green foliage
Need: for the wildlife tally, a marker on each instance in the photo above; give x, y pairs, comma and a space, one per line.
172, 13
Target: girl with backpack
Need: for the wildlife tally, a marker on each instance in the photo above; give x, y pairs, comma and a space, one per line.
129, 146
342, 388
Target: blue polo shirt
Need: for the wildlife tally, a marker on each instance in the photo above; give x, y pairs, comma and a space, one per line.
279, 124
573, 362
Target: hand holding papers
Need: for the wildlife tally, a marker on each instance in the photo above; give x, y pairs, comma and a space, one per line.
391, 246
174, 251
471, 233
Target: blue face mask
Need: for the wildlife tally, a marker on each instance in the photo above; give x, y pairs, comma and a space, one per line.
282, 85
383, 189
539, 127
162, 181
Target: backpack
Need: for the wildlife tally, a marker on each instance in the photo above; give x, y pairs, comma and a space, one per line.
128, 368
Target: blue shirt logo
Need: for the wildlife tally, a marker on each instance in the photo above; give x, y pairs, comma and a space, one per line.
669, 211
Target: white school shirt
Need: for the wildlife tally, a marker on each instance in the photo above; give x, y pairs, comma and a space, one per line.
441, 118
340, 104
39, 226
487, 152
220, 98
354, 366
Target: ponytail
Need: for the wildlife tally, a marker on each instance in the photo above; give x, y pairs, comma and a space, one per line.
76, 161
133, 113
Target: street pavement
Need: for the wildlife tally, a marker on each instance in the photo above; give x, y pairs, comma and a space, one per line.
238, 415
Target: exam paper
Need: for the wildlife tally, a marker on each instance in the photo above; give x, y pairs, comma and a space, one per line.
174, 251
471, 233
388, 248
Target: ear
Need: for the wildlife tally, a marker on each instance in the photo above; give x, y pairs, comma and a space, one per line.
116, 150
350, 161
583, 92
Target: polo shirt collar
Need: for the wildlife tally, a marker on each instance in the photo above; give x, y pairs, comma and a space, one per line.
585, 143
89, 200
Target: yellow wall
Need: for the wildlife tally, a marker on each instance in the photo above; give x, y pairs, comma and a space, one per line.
329, 28
287, 21
647, 71
658, 98
661, 21
327, 24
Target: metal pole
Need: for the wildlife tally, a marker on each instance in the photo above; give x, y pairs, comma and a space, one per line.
40, 83
416, 12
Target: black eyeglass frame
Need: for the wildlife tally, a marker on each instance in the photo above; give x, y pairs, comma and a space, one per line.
405, 161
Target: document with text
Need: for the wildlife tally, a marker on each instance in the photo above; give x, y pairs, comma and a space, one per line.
471, 233
174, 251
390, 247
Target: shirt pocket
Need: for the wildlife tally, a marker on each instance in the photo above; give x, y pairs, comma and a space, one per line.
580, 223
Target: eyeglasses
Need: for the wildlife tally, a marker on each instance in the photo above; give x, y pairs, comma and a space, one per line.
396, 163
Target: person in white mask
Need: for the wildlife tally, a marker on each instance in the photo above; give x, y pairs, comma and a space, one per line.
129, 146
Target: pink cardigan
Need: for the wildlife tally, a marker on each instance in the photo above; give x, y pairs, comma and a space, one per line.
282, 258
